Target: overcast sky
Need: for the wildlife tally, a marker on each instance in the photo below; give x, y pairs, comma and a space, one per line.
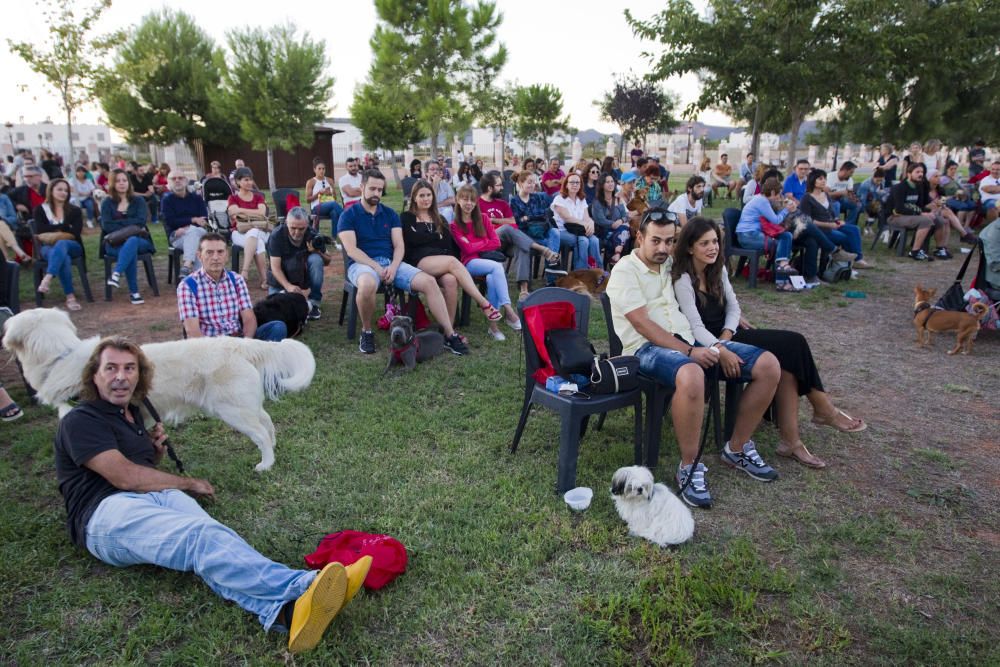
585, 43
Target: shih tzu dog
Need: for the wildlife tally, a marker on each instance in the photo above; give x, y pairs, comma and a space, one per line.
651, 510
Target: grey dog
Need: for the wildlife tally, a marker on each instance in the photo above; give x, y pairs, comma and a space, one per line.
407, 348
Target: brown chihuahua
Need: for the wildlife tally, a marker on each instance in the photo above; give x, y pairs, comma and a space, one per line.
928, 319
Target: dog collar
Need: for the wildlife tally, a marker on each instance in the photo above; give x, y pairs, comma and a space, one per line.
398, 354
921, 307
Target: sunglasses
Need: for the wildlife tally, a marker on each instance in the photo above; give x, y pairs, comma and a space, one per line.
655, 215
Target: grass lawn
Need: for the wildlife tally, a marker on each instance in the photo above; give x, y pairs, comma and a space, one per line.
811, 569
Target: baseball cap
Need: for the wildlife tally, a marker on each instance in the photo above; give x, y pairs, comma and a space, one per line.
628, 177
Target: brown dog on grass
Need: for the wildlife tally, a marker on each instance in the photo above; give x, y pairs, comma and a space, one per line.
928, 319
585, 281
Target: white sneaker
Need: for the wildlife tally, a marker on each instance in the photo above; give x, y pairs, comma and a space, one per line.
515, 325
115, 279
496, 335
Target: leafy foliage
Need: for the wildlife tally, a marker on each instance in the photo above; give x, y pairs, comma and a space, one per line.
537, 111
638, 107
385, 120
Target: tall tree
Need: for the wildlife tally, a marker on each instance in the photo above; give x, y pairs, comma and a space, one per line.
638, 107
537, 111
495, 108
435, 52
163, 84
64, 54
277, 87
385, 120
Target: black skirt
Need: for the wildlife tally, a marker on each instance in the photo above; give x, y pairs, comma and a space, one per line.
792, 351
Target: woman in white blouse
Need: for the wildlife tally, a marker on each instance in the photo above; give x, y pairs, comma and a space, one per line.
576, 229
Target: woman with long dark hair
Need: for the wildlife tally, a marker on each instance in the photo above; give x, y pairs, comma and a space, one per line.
58, 216
707, 299
611, 218
123, 208
817, 205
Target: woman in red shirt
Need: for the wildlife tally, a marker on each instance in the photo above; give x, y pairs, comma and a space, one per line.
254, 241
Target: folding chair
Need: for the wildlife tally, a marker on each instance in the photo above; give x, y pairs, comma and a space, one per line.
147, 262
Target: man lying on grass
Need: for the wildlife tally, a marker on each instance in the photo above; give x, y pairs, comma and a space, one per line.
126, 512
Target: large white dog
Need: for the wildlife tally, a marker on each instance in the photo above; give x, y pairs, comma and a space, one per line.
223, 377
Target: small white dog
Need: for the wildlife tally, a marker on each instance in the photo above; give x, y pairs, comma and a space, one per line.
651, 510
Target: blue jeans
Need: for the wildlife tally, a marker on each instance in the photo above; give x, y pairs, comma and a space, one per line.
127, 255
756, 240
850, 209
273, 331
957, 205
88, 205
169, 529
496, 280
661, 363
584, 247
847, 237
405, 273
314, 267
60, 259
329, 209
812, 239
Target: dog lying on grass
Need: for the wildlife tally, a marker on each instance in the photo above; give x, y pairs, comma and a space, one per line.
407, 348
223, 377
652, 511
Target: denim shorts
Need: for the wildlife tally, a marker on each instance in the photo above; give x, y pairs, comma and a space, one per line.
990, 203
404, 274
662, 364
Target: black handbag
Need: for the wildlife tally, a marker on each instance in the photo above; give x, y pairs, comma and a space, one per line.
954, 296
575, 228
612, 375
120, 236
493, 255
570, 351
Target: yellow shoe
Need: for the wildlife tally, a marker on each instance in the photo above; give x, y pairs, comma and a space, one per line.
356, 573
315, 608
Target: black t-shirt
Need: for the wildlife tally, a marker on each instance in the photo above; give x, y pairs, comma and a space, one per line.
423, 240
141, 185
89, 429
890, 174
293, 257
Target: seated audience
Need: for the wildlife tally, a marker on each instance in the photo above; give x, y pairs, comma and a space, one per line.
840, 190
939, 199
185, 219
513, 241
463, 176
915, 156
58, 217
444, 194
31, 194
752, 186
705, 171
887, 161
977, 158
476, 237
689, 204
553, 178
707, 300
746, 172
10, 410
373, 239
430, 248
873, 194
912, 209
10, 249
592, 174
416, 169
989, 192
795, 184
82, 192
296, 264
650, 182
569, 207
122, 208
319, 193
142, 186
722, 177
647, 319
958, 199
350, 184
215, 171
215, 302
611, 218
817, 205
610, 166
125, 512
254, 240
531, 209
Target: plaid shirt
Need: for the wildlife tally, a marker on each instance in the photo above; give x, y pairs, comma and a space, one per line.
217, 305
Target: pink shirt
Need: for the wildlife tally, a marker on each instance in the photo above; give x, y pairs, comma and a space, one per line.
470, 245
548, 176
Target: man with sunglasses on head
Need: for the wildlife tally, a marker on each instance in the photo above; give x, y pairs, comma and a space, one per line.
651, 326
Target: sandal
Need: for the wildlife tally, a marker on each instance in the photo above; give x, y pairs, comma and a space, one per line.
800, 454
859, 426
11, 412
492, 314
72, 303
43, 286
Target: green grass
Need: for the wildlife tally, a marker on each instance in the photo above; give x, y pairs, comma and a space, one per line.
811, 570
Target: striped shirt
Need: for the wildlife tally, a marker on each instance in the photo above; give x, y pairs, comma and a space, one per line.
216, 305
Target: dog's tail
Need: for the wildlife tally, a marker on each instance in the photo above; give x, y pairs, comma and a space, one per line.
980, 309
285, 366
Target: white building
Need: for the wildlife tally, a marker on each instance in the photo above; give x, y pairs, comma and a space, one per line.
94, 139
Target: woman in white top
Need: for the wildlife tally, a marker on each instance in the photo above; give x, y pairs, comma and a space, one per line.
82, 192
319, 193
569, 207
462, 177
705, 171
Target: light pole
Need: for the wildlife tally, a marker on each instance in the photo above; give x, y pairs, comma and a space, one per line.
10, 135
687, 158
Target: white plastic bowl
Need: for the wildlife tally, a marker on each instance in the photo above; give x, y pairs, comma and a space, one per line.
579, 498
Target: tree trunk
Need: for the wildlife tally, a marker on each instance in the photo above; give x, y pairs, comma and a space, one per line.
199, 155
69, 135
395, 169
793, 140
757, 120
435, 130
270, 168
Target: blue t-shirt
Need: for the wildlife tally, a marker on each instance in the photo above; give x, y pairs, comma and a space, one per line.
757, 207
794, 187
373, 232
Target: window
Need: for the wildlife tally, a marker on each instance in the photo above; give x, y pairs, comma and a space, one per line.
76, 136
100, 136
20, 136
48, 136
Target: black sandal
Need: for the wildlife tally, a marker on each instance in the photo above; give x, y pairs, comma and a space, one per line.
11, 412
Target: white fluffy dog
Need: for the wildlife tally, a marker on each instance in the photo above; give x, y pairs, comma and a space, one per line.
225, 377
651, 510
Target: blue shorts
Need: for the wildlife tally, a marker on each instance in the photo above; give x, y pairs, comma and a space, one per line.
662, 364
991, 203
404, 274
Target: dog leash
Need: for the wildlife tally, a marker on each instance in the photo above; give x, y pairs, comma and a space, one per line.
170, 448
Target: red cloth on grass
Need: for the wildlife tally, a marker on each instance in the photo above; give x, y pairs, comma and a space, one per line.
348, 546
541, 318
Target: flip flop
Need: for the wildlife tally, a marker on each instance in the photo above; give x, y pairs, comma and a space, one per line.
795, 453
11, 412
73, 304
492, 314
825, 421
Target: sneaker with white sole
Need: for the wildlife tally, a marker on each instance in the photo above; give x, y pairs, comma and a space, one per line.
115, 279
496, 335
366, 342
555, 269
314, 313
750, 462
136, 299
696, 494
456, 345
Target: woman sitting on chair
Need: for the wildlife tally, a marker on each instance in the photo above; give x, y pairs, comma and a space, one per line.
123, 208
611, 218
430, 248
319, 194
253, 241
57, 226
707, 299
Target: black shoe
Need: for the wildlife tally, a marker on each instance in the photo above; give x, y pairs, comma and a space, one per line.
314, 313
455, 343
920, 256
367, 342
942, 253
554, 269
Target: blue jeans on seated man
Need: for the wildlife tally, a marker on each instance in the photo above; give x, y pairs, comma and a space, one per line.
60, 258
168, 528
850, 209
583, 247
314, 267
273, 331
127, 255
847, 237
662, 364
331, 210
404, 274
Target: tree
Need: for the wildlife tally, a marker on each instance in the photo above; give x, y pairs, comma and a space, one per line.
66, 54
163, 85
638, 107
495, 108
536, 113
435, 52
277, 88
385, 120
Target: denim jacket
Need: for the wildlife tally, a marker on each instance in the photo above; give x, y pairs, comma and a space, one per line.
135, 215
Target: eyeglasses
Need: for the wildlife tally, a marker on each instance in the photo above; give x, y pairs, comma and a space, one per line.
572, 182
657, 215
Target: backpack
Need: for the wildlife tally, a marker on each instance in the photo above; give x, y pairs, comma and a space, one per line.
192, 284
837, 271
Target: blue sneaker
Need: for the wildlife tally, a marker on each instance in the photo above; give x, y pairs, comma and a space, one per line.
750, 462
696, 494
